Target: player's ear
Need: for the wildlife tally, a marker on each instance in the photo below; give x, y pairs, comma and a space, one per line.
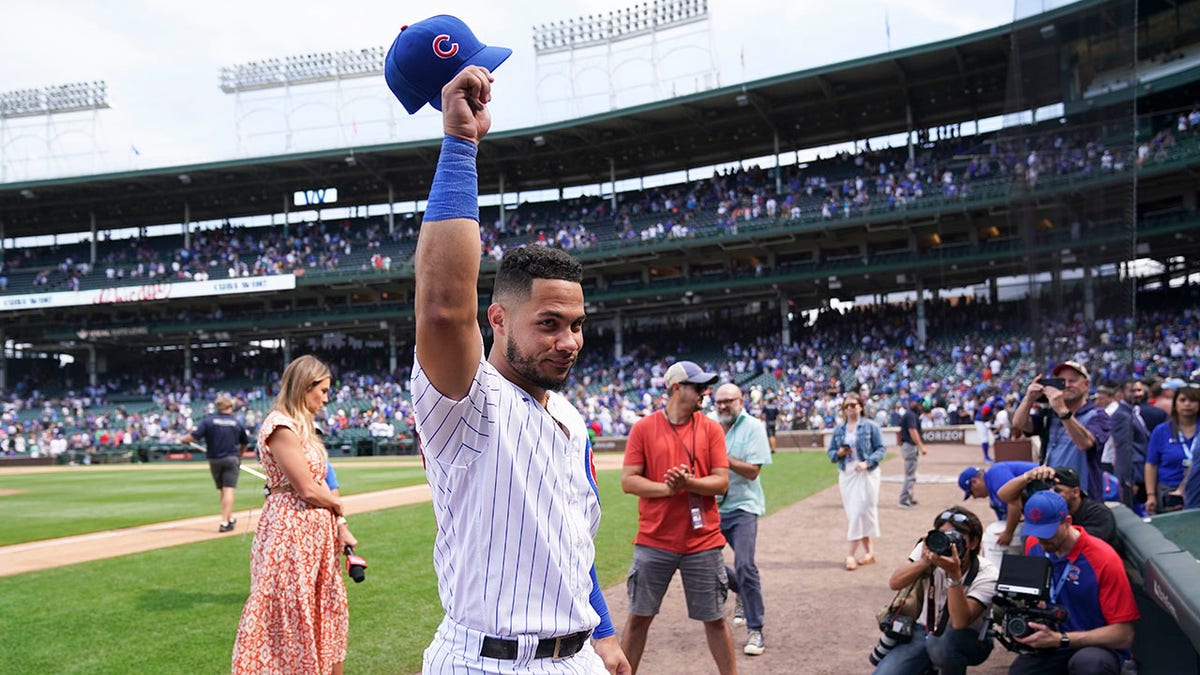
496, 317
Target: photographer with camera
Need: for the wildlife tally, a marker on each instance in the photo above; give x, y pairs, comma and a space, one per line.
950, 632
1087, 579
1072, 429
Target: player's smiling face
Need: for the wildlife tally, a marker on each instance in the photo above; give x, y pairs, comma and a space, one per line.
543, 335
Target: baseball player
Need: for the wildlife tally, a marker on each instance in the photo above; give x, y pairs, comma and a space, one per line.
507, 457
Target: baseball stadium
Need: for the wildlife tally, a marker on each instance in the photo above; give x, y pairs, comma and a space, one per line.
935, 226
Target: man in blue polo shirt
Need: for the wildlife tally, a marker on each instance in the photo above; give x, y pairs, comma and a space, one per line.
977, 482
1073, 430
1088, 579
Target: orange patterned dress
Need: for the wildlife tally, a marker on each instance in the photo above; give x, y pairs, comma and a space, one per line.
296, 619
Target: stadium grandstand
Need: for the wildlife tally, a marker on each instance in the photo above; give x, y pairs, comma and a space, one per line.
1086, 196
1081, 188
995, 203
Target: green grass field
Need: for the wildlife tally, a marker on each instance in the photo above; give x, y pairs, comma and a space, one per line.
94, 499
176, 610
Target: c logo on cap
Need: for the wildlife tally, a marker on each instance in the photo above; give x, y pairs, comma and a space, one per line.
442, 52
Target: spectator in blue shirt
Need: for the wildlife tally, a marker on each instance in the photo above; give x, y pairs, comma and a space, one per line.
981, 483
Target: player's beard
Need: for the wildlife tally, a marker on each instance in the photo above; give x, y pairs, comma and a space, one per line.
726, 418
526, 367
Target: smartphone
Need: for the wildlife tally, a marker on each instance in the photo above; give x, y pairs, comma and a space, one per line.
1056, 382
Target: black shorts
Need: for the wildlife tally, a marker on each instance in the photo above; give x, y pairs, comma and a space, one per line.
225, 471
770, 430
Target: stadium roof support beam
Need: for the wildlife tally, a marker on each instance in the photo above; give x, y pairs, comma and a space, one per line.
835, 103
902, 75
755, 102
966, 82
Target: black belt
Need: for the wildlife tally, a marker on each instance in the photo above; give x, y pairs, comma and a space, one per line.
555, 648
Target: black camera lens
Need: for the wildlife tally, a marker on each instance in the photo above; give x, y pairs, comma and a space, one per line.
938, 542
942, 542
1017, 626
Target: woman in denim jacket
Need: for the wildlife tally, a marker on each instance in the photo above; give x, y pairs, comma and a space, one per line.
857, 448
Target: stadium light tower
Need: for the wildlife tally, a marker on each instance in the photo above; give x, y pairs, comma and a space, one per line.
52, 104
298, 71
630, 46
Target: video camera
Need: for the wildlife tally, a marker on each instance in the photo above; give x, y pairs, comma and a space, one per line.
1022, 596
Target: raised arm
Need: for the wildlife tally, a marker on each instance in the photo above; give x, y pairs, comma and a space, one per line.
1021, 417
449, 344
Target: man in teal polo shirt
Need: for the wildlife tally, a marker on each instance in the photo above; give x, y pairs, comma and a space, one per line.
749, 449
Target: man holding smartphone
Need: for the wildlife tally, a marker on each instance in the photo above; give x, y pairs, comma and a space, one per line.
1072, 429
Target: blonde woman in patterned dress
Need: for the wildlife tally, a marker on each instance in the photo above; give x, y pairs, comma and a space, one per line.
296, 618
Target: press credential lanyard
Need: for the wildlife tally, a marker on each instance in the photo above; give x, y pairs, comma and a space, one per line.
1188, 448
695, 501
1062, 580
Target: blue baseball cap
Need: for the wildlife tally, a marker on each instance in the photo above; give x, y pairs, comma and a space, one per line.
1044, 511
964, 480
1174, 384
428, 54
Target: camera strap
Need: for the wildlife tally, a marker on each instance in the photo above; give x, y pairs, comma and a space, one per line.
943, 617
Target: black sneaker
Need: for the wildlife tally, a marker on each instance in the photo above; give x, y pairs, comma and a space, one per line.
227, 527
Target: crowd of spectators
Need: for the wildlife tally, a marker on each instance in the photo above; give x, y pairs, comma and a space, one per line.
845, 185
980, 352
224, 251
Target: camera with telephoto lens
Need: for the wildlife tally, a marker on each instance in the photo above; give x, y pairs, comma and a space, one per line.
941, 542
896, 629
1022, 596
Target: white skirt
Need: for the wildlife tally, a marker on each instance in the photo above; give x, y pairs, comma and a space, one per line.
860, 499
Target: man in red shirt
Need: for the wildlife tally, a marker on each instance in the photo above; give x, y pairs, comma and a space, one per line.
1088, 579
675, 462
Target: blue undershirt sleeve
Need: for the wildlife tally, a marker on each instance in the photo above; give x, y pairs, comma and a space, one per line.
605, 629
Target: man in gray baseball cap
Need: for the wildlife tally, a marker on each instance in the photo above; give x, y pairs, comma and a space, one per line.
676, 463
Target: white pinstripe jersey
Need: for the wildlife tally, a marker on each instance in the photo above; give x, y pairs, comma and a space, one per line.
515, 509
